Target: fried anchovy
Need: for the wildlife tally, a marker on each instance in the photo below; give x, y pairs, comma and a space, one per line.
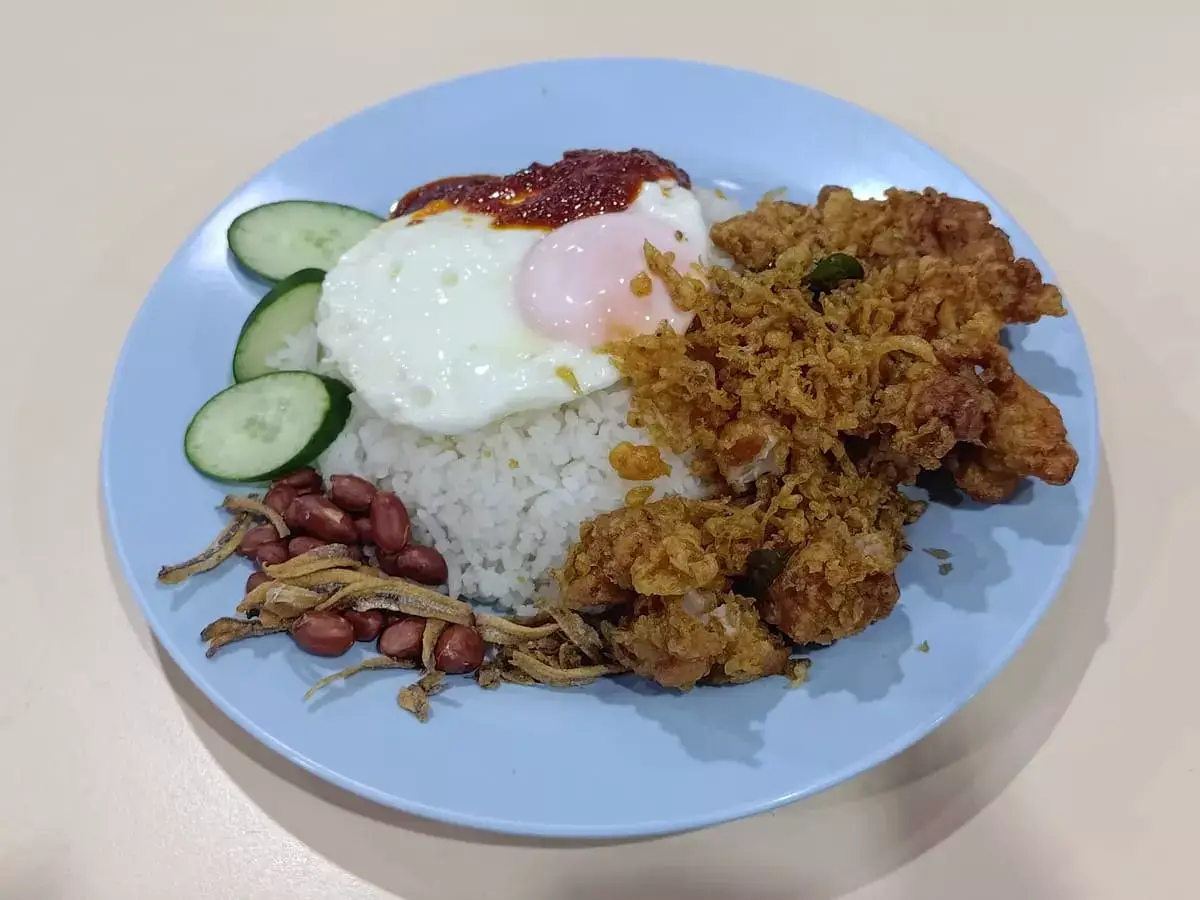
507, 633
255, 507
570, 656
326, 582
222, 547
285, 603
516, 676
429, 638
579, 633
254, 599
541, 617
399, 595
329, 581
225, 631
367, 665
330, 556
555, 677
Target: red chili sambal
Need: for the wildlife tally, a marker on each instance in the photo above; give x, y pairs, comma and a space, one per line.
583, 183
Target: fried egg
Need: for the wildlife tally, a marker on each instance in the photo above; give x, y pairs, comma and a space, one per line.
446, 323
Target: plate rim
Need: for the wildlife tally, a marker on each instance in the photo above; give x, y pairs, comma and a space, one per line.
1086, 490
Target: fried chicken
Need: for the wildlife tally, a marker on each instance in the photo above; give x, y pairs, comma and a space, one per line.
945, 255
668, 566
1026, 435
664, 561
661, 548
679, 641
908, 356
840, 571
806, 400
810, 610
981, 475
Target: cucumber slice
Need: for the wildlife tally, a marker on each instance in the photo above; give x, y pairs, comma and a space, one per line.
287, 308
260, 429
277, 239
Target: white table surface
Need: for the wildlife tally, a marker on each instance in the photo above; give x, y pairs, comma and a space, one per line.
1072, 776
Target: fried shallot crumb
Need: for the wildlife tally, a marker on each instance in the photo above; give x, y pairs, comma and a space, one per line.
638, 462
638, 495
641, 285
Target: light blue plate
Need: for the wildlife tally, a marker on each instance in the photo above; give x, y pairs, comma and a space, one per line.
619, 758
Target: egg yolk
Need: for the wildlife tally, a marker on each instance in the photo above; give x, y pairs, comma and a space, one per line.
587, 283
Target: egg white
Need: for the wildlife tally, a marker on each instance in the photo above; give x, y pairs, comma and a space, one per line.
422, 319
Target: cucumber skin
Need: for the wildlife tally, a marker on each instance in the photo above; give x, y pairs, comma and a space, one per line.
333, 424
254, 273
303, 276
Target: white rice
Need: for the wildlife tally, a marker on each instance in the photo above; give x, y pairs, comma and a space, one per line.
299, 353
504, 503
500, 526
